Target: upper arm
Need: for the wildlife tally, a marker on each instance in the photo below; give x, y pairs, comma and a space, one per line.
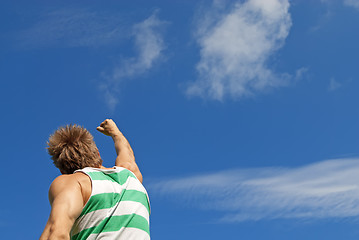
125, 157
130, 165
66, 199
66, 205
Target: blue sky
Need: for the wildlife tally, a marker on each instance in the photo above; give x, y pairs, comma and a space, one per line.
242, 114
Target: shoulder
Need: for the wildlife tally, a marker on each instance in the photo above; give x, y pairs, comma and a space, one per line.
63, 183
63, 180
133, 168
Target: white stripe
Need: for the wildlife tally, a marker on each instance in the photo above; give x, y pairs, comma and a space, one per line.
92, 219
105, 171
107, 186
132, 183
122, 234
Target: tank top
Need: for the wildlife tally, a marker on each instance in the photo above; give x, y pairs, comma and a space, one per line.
118, 207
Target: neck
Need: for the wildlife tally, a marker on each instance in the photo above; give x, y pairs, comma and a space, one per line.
102, 167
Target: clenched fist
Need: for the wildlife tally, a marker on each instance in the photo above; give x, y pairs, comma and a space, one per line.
109, 128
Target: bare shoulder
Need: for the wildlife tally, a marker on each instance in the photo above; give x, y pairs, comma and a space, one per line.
82, 179
80, 176
61, 184
63, 180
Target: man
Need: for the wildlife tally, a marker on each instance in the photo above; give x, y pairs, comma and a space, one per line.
89, 201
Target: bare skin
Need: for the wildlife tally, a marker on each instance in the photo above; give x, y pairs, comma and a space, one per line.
125, 157
69, 193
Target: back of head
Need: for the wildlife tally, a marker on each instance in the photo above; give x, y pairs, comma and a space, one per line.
72, 147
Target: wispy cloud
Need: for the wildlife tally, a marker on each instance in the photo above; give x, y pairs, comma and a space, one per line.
87, 28
330, 11
327, 189
300, 73
349, 3
352, 3
149, 45
73, 28
236, 44
334, 85
322, 20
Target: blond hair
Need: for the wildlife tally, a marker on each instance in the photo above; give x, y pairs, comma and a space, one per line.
72, 147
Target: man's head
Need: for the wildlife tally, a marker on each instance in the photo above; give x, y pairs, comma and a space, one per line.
72, 147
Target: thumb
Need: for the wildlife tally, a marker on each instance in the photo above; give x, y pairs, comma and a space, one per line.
100, 129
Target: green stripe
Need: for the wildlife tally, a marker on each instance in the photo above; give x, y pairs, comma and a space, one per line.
120, 177
114, 223
108, 200
136, 196
101, 201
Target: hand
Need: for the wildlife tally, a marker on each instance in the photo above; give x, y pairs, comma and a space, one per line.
109, 128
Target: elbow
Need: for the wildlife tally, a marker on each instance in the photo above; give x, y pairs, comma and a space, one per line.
57, 234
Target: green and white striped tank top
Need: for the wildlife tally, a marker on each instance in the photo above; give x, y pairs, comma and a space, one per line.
118, 207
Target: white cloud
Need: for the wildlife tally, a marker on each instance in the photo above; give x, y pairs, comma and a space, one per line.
73, 28
328, 189
236, 45
149, 46
352, 3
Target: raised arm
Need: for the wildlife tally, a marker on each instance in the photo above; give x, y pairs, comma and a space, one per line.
125, 157
66, 205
